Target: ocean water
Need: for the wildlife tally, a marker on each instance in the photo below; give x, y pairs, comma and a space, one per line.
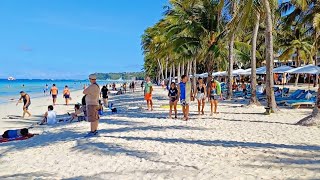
9, 90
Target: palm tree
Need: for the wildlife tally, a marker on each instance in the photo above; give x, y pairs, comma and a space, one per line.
271, 102
314, 118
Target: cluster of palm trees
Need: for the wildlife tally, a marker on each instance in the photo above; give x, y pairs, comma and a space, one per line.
197, 36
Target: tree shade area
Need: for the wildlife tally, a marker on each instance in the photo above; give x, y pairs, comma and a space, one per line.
206, 36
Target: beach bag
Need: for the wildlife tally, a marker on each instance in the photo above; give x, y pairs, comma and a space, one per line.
308, 96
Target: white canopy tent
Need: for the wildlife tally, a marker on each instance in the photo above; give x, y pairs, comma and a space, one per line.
308, 69
282, 69
218, 73
261, 70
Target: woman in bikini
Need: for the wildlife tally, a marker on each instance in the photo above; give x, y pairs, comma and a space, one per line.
201, 95
214, 95
173, 95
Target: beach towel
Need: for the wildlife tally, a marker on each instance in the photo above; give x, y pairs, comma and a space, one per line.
3, 140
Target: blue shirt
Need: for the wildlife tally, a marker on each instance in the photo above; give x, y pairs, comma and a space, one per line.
182, 91
13, 134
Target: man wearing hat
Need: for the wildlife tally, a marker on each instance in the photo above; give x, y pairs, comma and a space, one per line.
92, 104
26, 103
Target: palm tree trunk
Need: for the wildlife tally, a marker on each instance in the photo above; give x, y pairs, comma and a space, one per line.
316, 56
179, 72
194, 74
230, 70
298, 65
271, 102
182, 67
253, 99
170, 75
173, 71
166, 71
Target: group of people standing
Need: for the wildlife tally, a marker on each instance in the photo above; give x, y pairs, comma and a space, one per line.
184, 93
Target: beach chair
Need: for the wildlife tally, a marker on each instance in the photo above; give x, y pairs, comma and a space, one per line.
301, 102
285, 92
300, 98
295, 95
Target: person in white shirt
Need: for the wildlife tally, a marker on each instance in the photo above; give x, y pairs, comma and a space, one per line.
260, 88
49, 117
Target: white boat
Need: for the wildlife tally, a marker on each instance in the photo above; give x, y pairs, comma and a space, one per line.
11, 79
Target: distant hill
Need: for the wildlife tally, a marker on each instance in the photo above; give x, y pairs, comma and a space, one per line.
123, 75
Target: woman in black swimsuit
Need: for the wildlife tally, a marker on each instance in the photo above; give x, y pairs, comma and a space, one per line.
173, 95
26, 103
104, 94
201, 95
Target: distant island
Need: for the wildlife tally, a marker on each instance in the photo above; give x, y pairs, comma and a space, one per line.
123, 75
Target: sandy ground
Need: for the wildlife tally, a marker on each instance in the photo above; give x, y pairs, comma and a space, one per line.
238, 143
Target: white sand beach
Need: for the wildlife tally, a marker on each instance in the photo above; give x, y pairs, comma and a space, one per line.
238, 143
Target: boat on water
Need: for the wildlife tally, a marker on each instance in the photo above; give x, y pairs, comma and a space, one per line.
11, 78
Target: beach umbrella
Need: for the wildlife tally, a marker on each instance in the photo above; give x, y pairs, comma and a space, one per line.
308, 69
282, 69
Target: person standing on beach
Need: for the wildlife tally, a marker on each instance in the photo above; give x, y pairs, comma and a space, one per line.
214, 92
104, 94
173, 95
184, 91
92, 104
26, 103
148, 93
201, 95
54, 92
66, 94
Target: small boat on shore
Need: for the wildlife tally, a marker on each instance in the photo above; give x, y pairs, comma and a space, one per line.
11, 79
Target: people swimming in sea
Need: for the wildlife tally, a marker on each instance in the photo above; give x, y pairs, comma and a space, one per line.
25, 98
173, 96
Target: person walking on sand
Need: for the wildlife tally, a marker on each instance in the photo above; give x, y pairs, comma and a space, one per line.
104, 94
148, 93
54, 92
66, 94
173, 95
26, 103
201, 95
184, 93
214, 92
92, 104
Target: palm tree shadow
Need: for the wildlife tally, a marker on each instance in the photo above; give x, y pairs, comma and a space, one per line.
266, 122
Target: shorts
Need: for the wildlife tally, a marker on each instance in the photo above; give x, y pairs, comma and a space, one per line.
183, 102
200, 96
26, 106
148, 96
67, 96
105, 97
92, 113
172, 100
214, 97
54, 96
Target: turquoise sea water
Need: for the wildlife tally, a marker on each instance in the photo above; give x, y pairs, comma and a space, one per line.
35, 88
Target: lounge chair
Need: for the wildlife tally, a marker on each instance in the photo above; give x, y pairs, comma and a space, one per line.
301, 97
293, 96
302, 102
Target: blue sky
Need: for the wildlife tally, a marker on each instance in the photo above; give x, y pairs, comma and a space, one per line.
71, 38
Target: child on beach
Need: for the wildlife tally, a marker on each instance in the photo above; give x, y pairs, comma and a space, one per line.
148, 93
184, 93
49, 117
173, 95
10, 134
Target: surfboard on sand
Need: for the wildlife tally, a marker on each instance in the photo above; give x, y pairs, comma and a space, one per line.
188, 92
